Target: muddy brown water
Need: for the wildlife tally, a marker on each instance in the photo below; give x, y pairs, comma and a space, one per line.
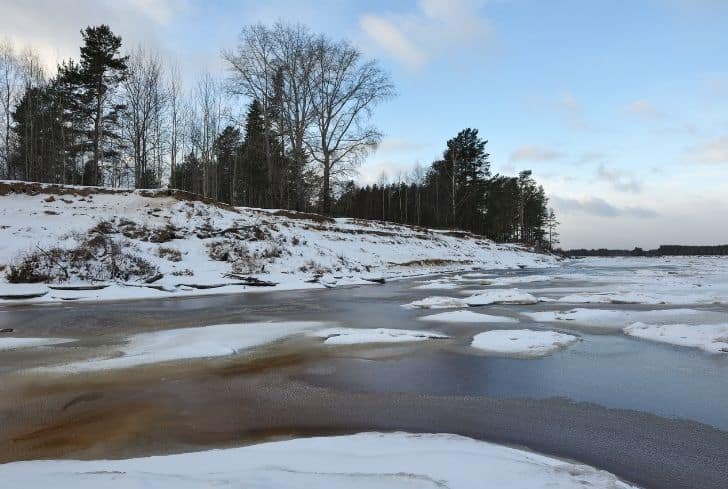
653, 414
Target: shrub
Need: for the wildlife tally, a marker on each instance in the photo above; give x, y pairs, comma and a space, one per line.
171, 254
96, 258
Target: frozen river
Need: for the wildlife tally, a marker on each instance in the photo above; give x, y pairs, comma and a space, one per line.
638, 390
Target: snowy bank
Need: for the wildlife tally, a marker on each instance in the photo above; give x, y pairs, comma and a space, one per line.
363, 461
163, 243
522, 342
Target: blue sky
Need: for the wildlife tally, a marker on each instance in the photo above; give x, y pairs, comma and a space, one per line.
620, 108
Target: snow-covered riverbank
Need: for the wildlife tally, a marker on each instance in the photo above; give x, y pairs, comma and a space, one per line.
366, 460
82, 244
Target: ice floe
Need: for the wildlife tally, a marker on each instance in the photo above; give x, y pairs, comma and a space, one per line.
519, 279
501, 296
190, 343
362, 461
479, 298
613, 298
618, 318
438, 285
436, 302
712, 338
522, 342
353, 336
467, 317
14, 343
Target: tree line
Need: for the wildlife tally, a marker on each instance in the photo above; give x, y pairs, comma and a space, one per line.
285, 128
458, 191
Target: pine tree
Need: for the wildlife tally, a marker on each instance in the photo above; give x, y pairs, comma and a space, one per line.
253, 174
227, 151
551, 225
100, 71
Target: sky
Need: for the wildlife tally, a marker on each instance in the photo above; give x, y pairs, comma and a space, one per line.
619, 107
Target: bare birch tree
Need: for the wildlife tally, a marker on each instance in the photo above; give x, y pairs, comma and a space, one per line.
10, 91
345, 88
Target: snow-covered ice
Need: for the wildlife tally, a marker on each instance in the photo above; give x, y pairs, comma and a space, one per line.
353, 336
479, 298
14, 343
436, 302
613, 298
500, 296
676, 280
518, 279
618, 318
362, 461
712, 338
190, 343
438, 285
522, 342
467, 317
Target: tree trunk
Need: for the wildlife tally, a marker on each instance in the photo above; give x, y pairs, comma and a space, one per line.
326, 192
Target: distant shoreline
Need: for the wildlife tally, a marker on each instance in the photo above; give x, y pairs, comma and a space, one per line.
663, 250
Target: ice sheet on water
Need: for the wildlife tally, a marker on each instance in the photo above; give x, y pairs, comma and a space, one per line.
362, 461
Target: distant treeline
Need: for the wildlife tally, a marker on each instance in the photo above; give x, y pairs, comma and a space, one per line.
663, 250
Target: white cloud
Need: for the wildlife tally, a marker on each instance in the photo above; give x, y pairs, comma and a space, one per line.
534, 153
712, 152
596, 206
160, 11
435, 28
53, 28
391, 38
400, 145
619, 180
643, 108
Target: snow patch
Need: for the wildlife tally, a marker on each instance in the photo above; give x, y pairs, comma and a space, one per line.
190, 343
353, 336
500, 296
438, 285
614, 318
613, 298
712, 338
467, 317
522, 342
362, 461
436, 302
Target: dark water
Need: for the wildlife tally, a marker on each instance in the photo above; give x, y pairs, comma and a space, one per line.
608, 400
608, 369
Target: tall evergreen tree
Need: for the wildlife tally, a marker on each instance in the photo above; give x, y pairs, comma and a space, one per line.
227, 152
99, 73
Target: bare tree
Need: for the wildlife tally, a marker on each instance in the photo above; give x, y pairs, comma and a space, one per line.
345, 88
296, 61
252, 68
144, 100
10, 91
207, 118
176, 114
